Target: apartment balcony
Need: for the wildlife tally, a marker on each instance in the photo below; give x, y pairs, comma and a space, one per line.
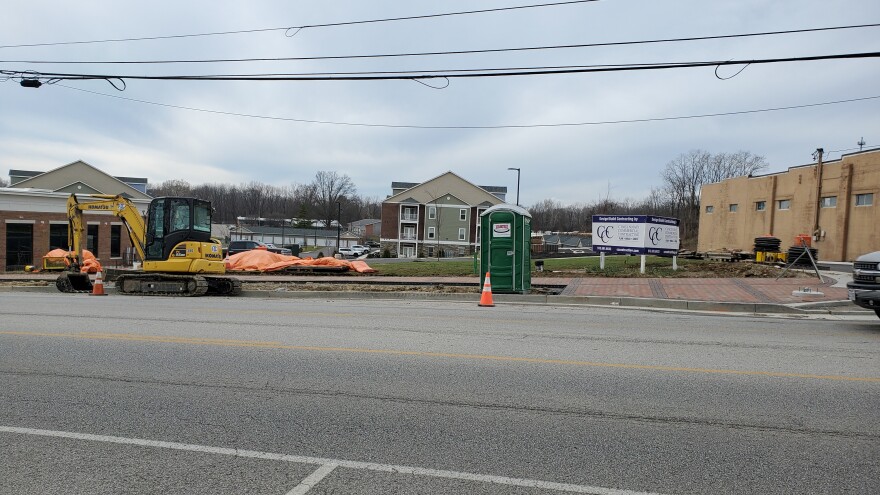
408, 237
409, 217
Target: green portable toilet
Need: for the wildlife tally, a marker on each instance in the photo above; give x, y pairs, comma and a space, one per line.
505, 248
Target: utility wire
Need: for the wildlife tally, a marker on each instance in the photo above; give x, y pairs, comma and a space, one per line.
429, 74
456, 52
866, 145
304, 26
452, 127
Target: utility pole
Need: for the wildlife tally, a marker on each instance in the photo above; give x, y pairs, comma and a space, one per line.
517, 183
818, 156
338, 223
861, 143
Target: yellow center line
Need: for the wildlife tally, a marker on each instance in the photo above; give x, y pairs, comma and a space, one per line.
392, 352
362, 316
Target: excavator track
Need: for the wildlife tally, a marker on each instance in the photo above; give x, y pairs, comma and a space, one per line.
223, 286
157, 284
74, 283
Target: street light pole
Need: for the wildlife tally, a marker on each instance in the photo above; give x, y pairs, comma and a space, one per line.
338, 223
517, 183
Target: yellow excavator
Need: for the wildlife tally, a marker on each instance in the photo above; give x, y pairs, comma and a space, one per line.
179, 256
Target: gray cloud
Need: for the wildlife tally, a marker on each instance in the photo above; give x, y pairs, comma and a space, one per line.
51, 126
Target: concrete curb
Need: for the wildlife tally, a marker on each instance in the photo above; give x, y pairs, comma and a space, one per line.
823, 307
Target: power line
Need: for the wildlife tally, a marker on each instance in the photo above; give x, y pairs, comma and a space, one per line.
455, 52
453, 127
837, 151
427, 74
304, 26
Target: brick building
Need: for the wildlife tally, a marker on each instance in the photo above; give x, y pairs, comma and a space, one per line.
33, 214
835, 203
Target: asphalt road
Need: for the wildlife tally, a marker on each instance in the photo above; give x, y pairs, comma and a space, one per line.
210, 395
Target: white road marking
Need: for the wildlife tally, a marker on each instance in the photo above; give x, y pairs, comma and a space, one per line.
312, 480
368, 466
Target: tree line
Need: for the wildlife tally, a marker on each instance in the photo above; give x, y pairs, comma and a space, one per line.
678, 196
328, 195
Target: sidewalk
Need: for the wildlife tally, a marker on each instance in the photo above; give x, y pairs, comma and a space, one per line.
751, 295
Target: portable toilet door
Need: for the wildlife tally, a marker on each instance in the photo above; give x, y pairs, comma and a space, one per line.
505, 249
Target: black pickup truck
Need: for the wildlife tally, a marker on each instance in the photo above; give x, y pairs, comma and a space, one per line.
864, 290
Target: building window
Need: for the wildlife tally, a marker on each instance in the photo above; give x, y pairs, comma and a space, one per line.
116, 241
461, 234
431, 232
57, 236
710, 209
760, 205
430, 251
783, 204
92, 239
462, 214
828, 202
733, 208
865, 199
432, 212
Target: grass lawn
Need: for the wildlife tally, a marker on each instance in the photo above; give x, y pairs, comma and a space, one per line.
615, 266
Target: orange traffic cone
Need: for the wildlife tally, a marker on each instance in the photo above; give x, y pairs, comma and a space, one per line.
486, 297
98, 287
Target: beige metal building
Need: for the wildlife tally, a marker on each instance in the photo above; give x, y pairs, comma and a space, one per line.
833, 201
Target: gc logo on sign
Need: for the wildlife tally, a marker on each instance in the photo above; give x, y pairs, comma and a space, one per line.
654, 234
604, 233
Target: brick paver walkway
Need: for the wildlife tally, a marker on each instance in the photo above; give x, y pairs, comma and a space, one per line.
749, 290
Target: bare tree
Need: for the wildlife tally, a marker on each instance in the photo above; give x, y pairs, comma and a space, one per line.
331, 187
685, 175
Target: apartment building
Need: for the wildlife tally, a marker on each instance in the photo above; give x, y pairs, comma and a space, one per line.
438, 217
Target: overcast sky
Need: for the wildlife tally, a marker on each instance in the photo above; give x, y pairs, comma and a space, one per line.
41, 129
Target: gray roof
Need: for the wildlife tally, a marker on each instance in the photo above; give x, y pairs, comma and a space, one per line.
489, 189
364, 222
403, 185
24, 173
254, 229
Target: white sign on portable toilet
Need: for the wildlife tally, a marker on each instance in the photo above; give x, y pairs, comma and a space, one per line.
501, 230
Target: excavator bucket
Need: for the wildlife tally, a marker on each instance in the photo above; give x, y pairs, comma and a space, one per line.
74, 282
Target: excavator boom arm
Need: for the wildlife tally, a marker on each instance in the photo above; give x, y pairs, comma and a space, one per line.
119, 206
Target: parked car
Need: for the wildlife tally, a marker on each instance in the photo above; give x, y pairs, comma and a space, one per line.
346, 252
236, 247
280, 250
372, 244
864, 290
360, 250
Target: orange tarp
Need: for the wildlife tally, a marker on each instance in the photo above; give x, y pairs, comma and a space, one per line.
90, 263
265, 261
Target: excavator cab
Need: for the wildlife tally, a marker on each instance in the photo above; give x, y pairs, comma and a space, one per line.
171, 221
